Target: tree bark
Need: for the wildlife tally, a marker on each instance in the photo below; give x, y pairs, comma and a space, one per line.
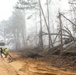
45, 23
40, 35
61, 31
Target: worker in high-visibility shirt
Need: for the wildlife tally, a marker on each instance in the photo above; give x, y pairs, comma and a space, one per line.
1, 50
6, 50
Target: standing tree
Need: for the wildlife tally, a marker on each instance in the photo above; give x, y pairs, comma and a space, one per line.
16, 27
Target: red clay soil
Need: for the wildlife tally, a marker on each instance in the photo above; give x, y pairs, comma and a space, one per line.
53, 65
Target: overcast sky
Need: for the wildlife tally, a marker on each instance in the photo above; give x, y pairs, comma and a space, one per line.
6, 7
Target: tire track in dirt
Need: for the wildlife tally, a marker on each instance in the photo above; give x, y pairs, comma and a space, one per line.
23, 66
41, 68
9, 69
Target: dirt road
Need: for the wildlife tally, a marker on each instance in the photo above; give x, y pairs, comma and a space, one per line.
29, 67
10, 68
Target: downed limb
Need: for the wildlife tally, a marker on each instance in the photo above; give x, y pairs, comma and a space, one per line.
68, 20
68, 30
56, 37
56, 34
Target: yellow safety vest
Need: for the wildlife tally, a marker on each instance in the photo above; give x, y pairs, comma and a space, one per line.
6, 50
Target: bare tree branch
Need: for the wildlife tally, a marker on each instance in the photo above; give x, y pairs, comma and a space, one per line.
68, 20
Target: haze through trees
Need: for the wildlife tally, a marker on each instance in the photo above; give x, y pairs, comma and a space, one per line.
33, 24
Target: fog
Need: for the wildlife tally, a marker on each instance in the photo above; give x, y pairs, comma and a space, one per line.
25, 23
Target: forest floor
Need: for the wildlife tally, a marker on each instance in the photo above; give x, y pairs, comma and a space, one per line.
49, 65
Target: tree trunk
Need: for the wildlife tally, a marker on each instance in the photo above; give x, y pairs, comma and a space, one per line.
46, 24
61, 31
40, 34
